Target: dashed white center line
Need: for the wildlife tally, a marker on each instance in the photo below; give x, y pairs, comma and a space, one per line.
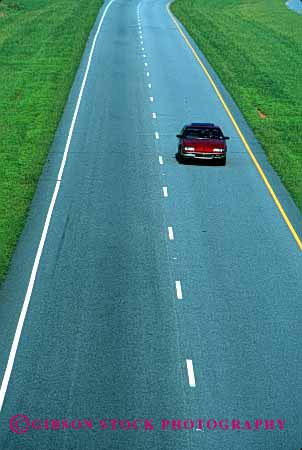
148, 74
156, 135
142, 42
165, 192
191, 375
154, 115
149, 85
178, 290
144, 56
143, 49
171, 233
146, 64
151, 99
161, 162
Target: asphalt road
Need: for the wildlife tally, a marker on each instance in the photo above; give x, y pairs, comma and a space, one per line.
108, 331
295, 5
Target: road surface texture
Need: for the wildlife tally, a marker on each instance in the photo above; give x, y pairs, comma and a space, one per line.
164, 291
295, 5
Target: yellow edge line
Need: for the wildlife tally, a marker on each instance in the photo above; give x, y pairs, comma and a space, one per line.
254, 159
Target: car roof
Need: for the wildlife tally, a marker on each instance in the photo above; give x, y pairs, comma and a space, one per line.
201, 125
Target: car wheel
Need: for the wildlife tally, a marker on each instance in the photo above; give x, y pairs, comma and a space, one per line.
180, 159
222, 162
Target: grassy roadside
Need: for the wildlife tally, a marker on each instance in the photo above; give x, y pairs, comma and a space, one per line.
41, 43
255, 48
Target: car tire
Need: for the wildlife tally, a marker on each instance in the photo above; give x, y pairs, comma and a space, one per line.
222, 162
180, 158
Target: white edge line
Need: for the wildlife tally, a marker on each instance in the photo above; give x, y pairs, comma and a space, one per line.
14, 347
81, 92
191, 375
178, 290
171, 233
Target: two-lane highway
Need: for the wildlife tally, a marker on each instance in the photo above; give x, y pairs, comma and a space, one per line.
164, 291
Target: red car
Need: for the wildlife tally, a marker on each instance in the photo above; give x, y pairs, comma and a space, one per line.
202, 141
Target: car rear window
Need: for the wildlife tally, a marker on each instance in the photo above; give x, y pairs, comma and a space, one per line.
203, 133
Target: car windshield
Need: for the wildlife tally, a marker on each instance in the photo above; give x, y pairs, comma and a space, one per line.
202, 133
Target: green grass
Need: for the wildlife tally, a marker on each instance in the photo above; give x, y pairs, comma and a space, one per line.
255, 46
41, 43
